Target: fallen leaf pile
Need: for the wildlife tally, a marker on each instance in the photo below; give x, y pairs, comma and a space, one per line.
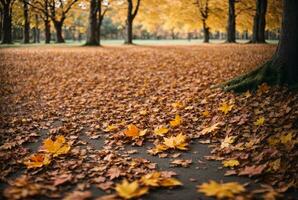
75, 120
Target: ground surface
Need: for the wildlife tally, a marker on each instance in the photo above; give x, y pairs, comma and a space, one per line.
91, 95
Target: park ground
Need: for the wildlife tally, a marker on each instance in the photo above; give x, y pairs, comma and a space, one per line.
95, 97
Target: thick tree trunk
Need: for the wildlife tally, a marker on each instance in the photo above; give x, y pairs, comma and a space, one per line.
1, 22
128, 39
58, 27
47, 25
282, 69
7, 31
259, 22
231, 28
92, 37
26, 35
36, 32
206, 32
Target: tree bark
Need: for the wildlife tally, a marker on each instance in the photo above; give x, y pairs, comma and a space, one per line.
58, 27
206, 32
26, 35
282, 68
1, 22
231, 28
259, 22
7, 31
129, 21
47, 26
92, 37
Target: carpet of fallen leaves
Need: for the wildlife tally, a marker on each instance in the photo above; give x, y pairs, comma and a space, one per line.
158, 98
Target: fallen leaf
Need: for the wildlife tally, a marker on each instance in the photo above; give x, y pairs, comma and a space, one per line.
131, 190
225, 108
176, 122
252, 170
132, 131
57, 147
260, 121
211, 129
221, 190
37, 160
176, 142
161, 130
230, 163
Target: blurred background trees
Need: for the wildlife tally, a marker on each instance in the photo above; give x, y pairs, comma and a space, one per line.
27, 21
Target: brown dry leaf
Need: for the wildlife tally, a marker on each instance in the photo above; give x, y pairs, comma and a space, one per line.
211, 129
181, 162
252, 170
113, 173
78, 195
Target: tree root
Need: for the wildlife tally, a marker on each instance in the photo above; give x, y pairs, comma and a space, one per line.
272, 73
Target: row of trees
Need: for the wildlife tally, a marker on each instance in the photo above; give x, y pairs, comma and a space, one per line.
153, 16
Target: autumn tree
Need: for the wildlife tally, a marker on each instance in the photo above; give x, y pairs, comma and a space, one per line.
97, 11
282, 68
92, 37
7, 20
259, 22
131, 14
231, 27
26, 22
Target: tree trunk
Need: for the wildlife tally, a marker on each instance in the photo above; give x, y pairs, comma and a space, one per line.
26, 38
206, 32
128, 39
92, 37
231, 28
58, 27
47, 25
1, 22
259, 22
282, 69
7, 31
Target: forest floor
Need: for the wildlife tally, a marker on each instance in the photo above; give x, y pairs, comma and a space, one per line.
79, 122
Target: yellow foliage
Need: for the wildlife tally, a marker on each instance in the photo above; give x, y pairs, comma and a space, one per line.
260, 121
210, 129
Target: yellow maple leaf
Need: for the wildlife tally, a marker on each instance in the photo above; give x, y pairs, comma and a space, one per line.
206, 113
132, 131
286, 138
170, 182
161, 130
211, 129
37, 160
176, 142
227, 141
221, 190
111, 128
131, 190
230, 163
260, 121
247, 94
225, 108
143, 112
151, 179
177, 105
57, 147
176, 122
